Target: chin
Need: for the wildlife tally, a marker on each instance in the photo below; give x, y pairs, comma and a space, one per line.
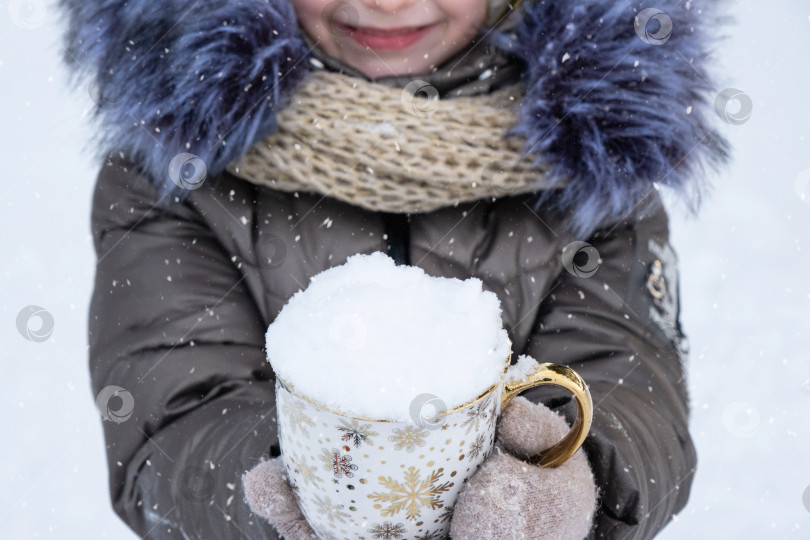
391, 68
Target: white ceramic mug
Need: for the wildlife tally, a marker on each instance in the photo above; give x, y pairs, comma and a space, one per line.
362, 478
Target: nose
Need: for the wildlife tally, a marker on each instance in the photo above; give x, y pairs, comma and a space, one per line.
389, 6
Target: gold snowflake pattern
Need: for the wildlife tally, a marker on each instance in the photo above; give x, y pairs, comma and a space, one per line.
477, 414
356, 432
307, 473
298, 420
447, 514
408, 438
476, 447
339, 464
412, 494
333, 511
388, 531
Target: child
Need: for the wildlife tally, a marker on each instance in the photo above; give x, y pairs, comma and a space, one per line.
251, 144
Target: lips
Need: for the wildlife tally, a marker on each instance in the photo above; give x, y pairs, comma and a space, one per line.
386, 38
386, 32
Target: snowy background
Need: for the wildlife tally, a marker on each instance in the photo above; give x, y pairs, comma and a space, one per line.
746, 295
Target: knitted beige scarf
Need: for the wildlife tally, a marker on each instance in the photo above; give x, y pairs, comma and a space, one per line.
392, 149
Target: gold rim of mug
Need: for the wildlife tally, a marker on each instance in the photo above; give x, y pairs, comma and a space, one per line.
291, 389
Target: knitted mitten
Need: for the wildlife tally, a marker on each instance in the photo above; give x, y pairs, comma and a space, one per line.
268, 494
508, 498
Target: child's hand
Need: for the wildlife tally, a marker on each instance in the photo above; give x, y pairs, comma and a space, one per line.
508, 498
268, 494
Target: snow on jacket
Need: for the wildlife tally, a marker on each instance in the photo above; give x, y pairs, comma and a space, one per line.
184, 291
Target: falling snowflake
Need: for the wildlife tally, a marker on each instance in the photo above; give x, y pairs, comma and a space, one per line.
339, 464
477, 414
476, 447
388, 531
408, 438
332, 511
357, 433
298, 420
412, 494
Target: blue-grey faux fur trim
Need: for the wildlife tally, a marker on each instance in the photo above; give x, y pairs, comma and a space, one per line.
608, 113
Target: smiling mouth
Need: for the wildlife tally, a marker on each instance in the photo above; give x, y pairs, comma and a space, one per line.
385, 32
385, 38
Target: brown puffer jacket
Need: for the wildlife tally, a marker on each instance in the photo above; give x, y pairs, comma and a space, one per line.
183, 297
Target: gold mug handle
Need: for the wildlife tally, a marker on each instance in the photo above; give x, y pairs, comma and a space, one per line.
548, 373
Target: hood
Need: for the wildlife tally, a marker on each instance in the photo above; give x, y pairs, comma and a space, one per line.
612, 111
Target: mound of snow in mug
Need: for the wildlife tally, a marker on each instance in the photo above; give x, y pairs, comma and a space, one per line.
369, 338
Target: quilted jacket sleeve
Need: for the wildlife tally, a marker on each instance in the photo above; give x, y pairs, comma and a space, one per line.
613, 316
177, 363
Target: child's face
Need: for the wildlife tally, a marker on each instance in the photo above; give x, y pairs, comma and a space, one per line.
391, 37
